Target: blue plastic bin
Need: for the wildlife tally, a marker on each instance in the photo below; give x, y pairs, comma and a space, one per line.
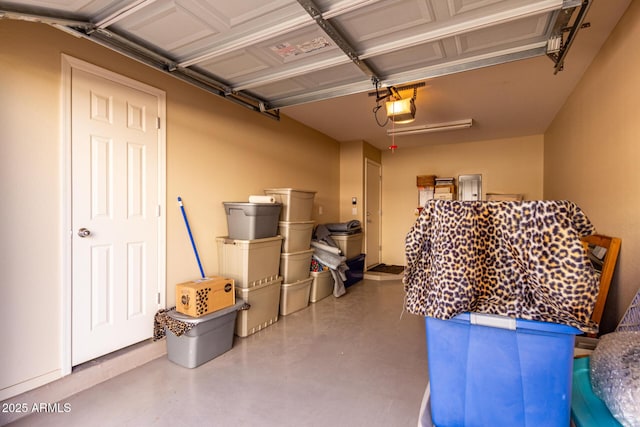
355, 273
497, 371
587, 409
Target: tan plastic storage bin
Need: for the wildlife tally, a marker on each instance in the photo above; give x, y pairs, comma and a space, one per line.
297, 205
351, 245
295, 266
264, 302
296, 235
321, 286
294, 296
249, 262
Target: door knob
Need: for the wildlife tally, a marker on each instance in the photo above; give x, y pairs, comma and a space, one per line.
83, 232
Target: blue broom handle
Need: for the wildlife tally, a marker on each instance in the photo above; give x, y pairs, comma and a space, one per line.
193, 243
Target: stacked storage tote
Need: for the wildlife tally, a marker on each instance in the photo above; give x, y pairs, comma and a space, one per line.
296, 227
200, 327
250, 254
322, 284
350, 243
210, 308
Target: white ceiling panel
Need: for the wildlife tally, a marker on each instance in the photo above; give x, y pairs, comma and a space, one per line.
385, 22
235, 65
282, 57
172, 26
281, 89
206, 29
322, 81
522, 32
87, 9
403, 60
459, 7
272, 54
246, 12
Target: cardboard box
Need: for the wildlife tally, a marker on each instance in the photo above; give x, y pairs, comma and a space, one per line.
204, 296
445, 189
443, 196
426, 180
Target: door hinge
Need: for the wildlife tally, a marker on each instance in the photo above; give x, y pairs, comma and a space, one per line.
158, 297
157, 122
159, 211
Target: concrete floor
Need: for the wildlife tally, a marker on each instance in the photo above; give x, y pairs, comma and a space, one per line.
357, 360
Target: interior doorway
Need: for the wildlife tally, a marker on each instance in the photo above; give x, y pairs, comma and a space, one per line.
373, 213
115, 162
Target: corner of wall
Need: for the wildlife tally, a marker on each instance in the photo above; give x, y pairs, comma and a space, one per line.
351, 179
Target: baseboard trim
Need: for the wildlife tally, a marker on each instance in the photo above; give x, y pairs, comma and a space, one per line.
86, 376
374, 275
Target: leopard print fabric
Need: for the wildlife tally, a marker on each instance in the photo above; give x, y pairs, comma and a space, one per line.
162, 320
516, 259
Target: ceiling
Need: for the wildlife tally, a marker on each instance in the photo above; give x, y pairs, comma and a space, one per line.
320, 61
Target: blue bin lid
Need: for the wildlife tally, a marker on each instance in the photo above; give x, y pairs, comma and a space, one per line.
520, 324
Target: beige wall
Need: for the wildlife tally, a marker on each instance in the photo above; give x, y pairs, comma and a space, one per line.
208, 145
507, 166
592, 154
216, 151
353, 155
30, 265
226, 156
352, 159
351, 179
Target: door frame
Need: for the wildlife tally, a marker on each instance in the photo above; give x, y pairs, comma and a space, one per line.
367, 163
68, 64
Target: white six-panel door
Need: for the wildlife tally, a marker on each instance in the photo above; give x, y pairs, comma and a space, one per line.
115, 215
